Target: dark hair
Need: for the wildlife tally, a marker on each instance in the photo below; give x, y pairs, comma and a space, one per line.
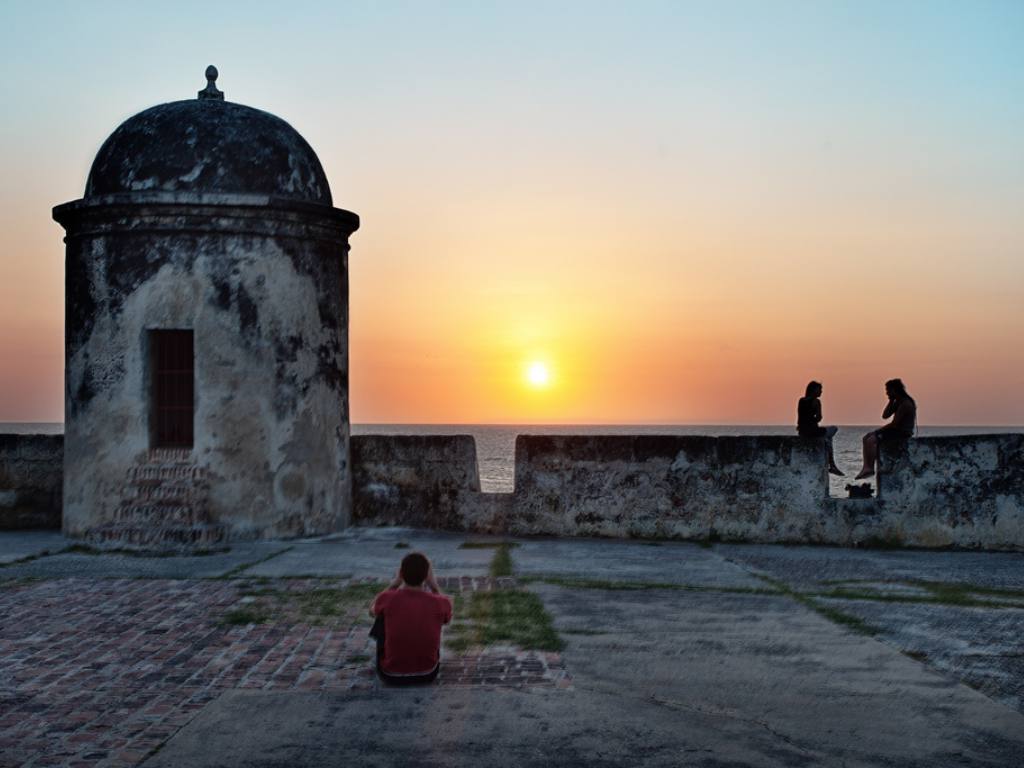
811, 386
414, 568
896, 385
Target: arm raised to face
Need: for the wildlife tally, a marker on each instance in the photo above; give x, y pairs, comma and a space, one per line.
890, 408
431, 582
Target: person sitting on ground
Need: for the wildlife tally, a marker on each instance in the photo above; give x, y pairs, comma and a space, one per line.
903, 410
408, 617
808, 418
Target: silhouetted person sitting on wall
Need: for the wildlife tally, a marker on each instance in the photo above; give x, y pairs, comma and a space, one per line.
408, 617
808, 419
903, 411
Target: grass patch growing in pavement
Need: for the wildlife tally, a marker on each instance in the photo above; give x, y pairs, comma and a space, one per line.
573, 582
512, 617
320, 605
86, 549
829, 612
837, 616
240, 617
317, 606
502, 617
501, 564
957, 594
238, 569
889, 540
952, 591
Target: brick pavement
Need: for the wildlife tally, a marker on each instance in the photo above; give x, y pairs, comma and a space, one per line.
102, 672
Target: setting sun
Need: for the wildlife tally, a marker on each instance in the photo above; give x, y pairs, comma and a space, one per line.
537, 374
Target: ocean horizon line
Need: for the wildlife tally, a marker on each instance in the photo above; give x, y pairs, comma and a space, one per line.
589, 424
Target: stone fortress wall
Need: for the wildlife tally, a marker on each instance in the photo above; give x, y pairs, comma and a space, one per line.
31, 479
961, 491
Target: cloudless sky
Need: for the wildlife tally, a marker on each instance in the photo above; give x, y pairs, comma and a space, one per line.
683, 210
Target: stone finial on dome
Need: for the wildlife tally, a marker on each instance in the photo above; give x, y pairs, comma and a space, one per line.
211, 91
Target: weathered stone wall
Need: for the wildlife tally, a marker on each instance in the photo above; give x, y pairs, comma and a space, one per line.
262, 283
964, 491
428, 481
31, 472
766, 488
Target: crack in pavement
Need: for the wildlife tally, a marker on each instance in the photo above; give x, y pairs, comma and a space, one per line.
730, 714
709, 711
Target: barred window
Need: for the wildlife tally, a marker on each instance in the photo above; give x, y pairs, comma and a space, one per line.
172, 388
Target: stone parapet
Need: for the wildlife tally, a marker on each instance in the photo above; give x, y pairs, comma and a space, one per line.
962, 491
767, 488
31, 477
429, 481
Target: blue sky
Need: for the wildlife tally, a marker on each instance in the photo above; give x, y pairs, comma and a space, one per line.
638, 157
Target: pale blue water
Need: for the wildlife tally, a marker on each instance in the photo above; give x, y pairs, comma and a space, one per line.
495, 444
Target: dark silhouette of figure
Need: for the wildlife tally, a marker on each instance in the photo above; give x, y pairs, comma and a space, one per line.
902, 409
808, 422
408, 617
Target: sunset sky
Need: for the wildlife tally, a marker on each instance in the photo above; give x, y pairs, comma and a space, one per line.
586, 212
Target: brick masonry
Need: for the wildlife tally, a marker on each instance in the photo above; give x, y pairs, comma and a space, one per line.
101, 673
164, 506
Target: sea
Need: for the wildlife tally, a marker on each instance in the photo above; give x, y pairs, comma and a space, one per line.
495, 443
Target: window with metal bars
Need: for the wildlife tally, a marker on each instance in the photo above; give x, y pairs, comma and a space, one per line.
172, 389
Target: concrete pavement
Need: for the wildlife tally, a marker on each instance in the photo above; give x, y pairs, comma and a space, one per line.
673, 677
676, 654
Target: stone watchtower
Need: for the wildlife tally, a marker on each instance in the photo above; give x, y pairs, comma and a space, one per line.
206, 334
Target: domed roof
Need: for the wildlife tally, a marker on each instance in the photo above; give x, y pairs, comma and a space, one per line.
208, 145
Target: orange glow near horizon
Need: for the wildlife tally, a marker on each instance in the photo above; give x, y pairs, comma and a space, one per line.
685, 232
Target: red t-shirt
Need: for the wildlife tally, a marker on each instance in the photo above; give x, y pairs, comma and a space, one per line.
412, 629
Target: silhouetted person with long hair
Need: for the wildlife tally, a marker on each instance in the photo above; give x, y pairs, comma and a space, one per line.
903, 411
808, 421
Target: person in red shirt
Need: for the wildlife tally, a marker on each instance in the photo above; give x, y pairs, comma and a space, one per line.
408, 617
